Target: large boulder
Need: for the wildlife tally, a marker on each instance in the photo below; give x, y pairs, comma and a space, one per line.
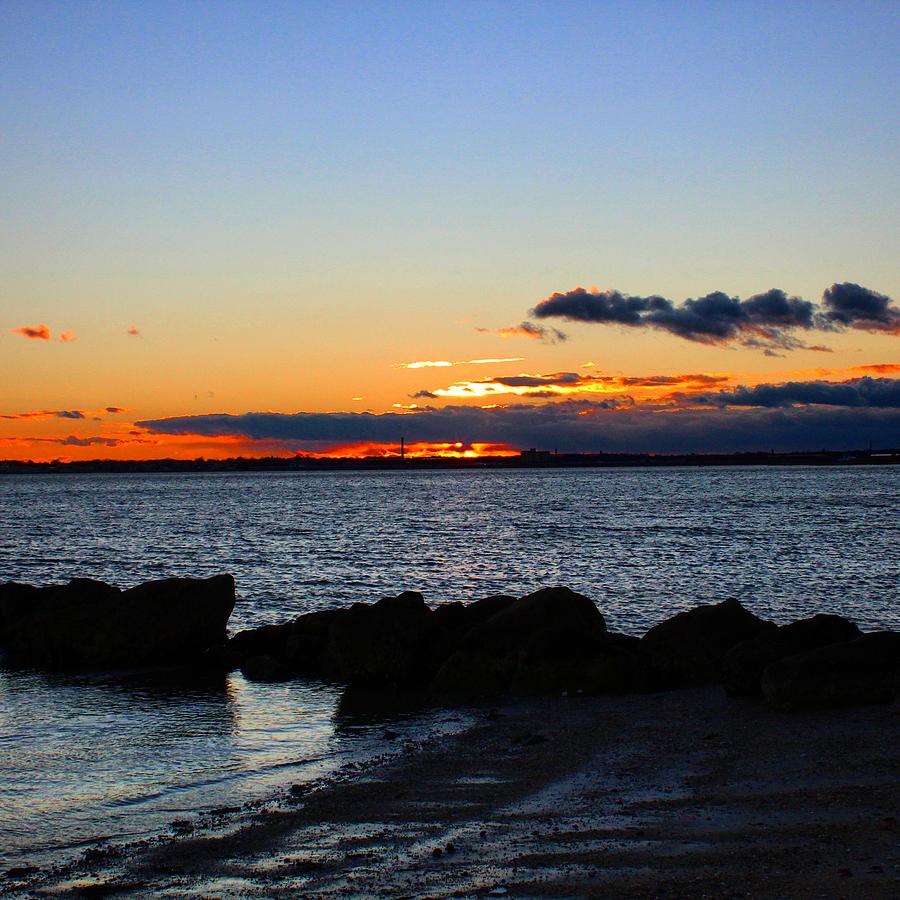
87, 624
745, 662
299, 646
537, 644
865, 670
380, 643
690, 648
619, 664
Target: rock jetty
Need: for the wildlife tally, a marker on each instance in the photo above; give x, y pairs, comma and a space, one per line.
548, 642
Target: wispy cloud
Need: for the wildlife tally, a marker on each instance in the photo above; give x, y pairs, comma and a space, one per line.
67, 337
563, 383
133, 330
767, 321
528, 330
63, 413
877, 367
444, 363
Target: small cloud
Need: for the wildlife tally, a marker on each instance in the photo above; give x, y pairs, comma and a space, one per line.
115, 409
134, 331
444, 363
67, 337
424, 364
34, 332
356, 399
530, 330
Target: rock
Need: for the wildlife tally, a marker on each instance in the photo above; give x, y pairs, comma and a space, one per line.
689, 649
744, 663
864, 670
618, 665
87, 624
266, 668
380, 643
536, 644
451, 622
300, 645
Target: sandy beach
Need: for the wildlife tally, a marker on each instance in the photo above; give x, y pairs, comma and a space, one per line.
678, 794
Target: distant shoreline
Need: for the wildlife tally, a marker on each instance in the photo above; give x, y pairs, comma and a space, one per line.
528, 459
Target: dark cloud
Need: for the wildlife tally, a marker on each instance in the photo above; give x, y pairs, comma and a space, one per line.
560, 378
764, 321
853, 306
881, 393
73, 441
664, 380
569, 425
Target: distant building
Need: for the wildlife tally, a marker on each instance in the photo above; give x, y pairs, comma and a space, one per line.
535, 457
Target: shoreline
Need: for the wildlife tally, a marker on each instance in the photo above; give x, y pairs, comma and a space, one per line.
675, 794
525, 460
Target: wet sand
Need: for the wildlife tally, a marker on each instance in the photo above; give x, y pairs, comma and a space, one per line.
682, 794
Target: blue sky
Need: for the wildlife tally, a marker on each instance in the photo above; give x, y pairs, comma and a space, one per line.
291, 179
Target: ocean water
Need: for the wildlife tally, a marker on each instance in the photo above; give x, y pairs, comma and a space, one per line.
118, 757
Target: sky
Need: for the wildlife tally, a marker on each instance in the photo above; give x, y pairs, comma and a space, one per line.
232, 228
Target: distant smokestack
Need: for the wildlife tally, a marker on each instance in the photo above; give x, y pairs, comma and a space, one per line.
402, 449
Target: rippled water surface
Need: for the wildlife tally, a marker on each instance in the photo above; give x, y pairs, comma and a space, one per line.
82, 756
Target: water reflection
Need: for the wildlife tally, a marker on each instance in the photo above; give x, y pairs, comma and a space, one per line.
121, 754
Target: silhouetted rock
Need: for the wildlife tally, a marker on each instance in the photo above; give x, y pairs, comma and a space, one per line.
449, 623
744, 663
689, 648
300, 645
266, 668
380, 643
864, 670
535, 644
87, 624
618, 665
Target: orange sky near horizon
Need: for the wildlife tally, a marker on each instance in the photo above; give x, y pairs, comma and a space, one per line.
68, 431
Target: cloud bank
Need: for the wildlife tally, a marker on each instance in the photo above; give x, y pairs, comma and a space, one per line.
881, 393
583, 425
767, 321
